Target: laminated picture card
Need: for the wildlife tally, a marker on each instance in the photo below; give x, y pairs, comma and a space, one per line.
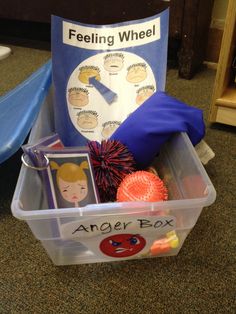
102, 73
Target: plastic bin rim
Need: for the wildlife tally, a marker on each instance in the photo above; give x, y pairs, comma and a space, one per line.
89, 210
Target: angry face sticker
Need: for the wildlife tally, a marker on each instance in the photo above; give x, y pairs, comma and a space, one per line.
122, 245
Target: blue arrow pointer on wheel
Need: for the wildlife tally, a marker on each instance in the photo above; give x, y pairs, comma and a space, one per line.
106, 93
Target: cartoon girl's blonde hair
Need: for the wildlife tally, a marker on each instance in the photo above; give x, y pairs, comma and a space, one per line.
69, 171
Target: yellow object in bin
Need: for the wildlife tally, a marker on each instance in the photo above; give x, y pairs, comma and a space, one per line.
173, 239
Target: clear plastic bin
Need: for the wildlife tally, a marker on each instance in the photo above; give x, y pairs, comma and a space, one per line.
75, 236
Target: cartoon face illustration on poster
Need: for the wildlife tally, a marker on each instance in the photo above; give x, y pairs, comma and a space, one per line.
136, 73
109, 128
144, 93
87, 72
114, 62
87, 119
78, 97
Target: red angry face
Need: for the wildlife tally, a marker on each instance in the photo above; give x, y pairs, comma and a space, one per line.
122, 245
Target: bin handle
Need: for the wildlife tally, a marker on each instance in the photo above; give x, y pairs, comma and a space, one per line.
28, 165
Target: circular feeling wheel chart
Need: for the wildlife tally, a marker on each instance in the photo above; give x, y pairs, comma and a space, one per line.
104, 89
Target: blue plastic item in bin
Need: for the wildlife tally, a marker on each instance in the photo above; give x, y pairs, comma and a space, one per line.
161, 116
19, 109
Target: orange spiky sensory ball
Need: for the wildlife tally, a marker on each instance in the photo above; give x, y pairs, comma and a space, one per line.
142, 186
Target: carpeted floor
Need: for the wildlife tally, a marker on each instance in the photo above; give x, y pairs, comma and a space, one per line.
201, 279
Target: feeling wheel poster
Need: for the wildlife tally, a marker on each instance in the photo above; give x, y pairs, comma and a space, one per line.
102, 73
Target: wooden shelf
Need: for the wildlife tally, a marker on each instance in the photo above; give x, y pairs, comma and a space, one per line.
226, 115
228, 98
223, 105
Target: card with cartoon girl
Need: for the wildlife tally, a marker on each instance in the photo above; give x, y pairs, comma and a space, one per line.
69, 179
